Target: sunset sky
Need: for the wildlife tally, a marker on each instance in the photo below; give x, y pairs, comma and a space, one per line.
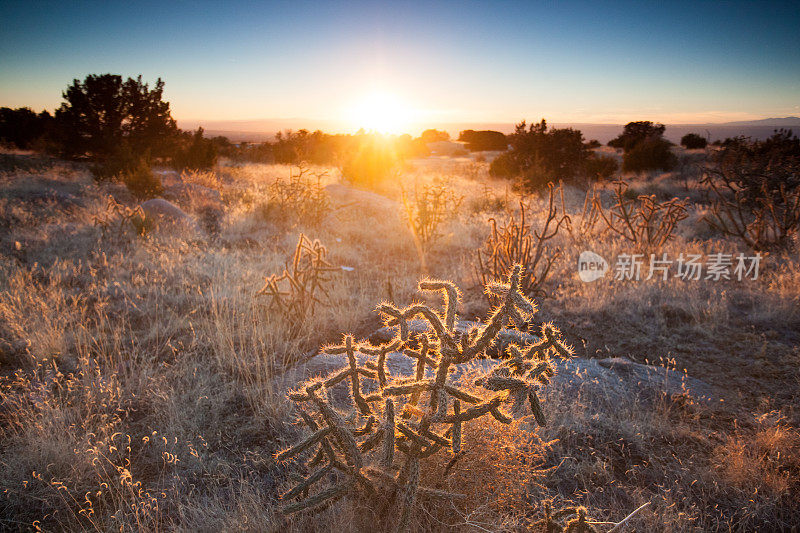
449, 62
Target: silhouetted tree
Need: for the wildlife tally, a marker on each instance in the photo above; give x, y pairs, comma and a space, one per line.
692, 141
197, 152
102, 113
431, 135
636, 132
22, 127
538, 156
478, 141
594, 143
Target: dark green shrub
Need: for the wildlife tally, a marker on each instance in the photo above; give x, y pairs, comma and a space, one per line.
594, 143
760, 168
754, 190
432, 136
635, 133
504, 165
651, 154
22, 127
479, 141
198, 153
103, 112
539, 156
601, 167
132, 170
693, 141
141, 181
115, 164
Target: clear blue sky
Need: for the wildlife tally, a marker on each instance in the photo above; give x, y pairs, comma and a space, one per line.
484, 62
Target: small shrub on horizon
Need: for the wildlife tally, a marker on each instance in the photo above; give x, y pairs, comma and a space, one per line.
693, 141
636, 132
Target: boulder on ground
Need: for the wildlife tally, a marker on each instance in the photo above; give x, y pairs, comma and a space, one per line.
164, 211
601, 383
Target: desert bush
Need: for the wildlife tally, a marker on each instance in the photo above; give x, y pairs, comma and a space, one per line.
432, 136
653, 153
22, 127
210, 219
519, 243
487, 201
295, 294
426, 210
642, 220
504, 166
539, 156
141, 181
692, 141
131, 169
758, 166
377, 450
635, 133
479, 141
755, 190
196, 153
115, 164
299, 199
600, 167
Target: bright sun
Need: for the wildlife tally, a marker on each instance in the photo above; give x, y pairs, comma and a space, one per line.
380, 112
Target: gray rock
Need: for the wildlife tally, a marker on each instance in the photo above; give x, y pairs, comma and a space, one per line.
164, 212
601, 383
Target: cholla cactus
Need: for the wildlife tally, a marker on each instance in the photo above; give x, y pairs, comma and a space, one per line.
396, 422
302, 285
552, 521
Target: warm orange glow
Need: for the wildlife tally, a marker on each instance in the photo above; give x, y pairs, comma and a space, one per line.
380, 112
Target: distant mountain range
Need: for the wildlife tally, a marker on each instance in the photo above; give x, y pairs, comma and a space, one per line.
778, 122
264, 130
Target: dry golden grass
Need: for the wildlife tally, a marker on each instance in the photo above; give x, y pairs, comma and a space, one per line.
139, 382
